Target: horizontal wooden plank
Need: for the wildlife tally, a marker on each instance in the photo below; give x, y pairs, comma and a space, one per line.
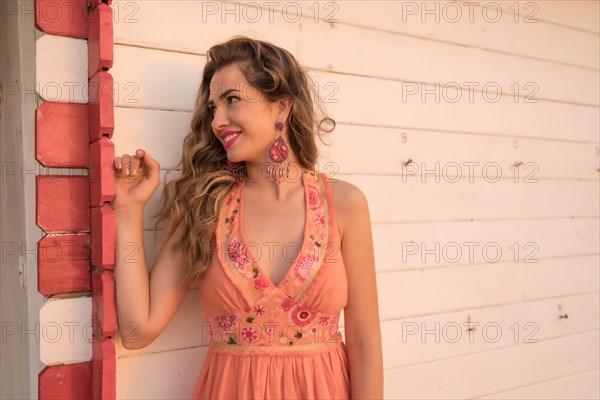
433, 291
396, 108
392, 199
422, 245
147, 129
421, 339
383, 151
582, 385
482, 373
65, 331
578, 14
164, 375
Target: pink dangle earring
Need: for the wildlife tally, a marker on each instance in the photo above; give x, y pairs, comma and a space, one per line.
279, 163
237, 168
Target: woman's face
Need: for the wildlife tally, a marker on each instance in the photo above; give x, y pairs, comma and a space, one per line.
238, 107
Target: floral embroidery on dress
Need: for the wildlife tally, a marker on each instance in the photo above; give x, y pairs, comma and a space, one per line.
276, 317
305, 266
226, 322
249, 333
237, 253
260, 283
314, 197
301, 315
320, 219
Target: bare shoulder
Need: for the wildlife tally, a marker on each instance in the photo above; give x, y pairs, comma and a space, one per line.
349, 202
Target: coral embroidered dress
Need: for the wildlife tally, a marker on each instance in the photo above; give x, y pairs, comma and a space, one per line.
268, 341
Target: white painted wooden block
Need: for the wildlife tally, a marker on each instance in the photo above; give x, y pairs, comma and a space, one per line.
65, 331
61, 69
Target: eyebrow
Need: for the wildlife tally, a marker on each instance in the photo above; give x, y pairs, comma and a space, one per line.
223, 95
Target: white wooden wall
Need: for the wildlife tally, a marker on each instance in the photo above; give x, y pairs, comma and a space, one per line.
539, 295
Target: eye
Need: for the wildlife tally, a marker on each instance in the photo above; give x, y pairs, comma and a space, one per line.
211, 109
232, 97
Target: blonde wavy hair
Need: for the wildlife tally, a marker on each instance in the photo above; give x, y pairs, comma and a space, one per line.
191, 202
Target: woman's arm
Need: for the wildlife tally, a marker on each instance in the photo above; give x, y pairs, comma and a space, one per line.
361, 314
145, 304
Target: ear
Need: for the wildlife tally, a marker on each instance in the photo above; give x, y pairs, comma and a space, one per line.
284, 107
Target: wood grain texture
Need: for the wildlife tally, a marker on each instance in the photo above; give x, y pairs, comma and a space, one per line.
100, 40
62, 18
104, 370
62, 203
63, 264
102, 172
103, 237
101, 103
66, 331
70, 381
61, 135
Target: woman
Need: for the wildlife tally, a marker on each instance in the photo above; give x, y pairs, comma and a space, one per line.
276, 248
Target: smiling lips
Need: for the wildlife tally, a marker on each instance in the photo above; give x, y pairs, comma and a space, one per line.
229, 137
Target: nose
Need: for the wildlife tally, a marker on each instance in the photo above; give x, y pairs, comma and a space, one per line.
220, 119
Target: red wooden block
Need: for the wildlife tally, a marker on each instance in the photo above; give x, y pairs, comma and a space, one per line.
101, 106
104, 236
102, 172
63, 264
61, 135
104, 370
62, 203
104, 305
100, 40
70, 381
66, 18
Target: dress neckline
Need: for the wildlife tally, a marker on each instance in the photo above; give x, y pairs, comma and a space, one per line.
255, 261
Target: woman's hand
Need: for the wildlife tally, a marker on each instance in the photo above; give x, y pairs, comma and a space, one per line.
137, 179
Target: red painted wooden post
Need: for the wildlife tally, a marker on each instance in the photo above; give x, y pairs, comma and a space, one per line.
104, 369
102, 192
101, 106
104, 226
78, 136
102, 172
104, 310
100, 40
